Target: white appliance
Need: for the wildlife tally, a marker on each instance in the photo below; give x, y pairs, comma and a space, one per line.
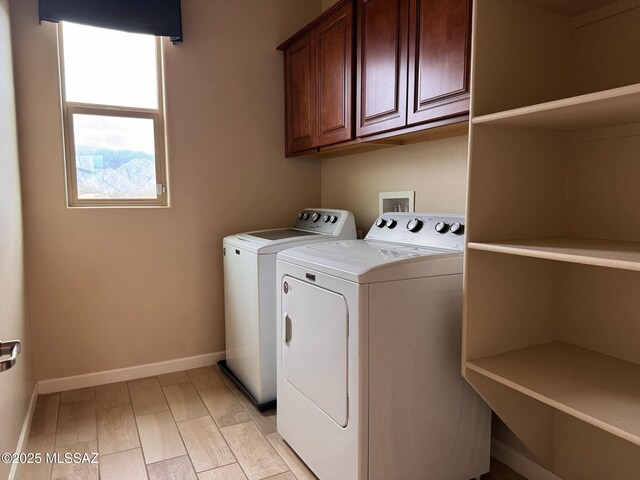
250, 291
369, 351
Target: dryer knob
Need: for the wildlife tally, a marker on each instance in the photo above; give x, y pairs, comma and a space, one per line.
381, 222
326, 218
391, 223
300, 215
305, 216
414, 225
334, 219
457, 228
316, 217
442, 227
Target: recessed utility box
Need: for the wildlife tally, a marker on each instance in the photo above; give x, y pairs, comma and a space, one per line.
396, 202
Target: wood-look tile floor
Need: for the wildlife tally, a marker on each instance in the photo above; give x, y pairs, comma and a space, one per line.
193, 425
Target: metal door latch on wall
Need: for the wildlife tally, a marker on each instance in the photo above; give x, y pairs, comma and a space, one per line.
11, 348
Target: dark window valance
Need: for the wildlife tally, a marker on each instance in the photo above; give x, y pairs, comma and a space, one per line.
154, 17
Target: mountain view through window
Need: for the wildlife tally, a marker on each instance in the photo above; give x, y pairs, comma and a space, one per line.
114, 157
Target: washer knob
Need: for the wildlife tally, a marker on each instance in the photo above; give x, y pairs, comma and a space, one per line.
316, 217
334, 219
457, 228
391, 223
305, 216
326, 218
300, 215
441, 227
414, 225
381, 222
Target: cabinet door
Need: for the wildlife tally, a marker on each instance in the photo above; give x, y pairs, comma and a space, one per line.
334, 47
382, 65
300, 94
439, 55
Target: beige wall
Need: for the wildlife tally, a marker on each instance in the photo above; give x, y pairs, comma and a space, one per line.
435, 170
327, 3
112, 288
16, 384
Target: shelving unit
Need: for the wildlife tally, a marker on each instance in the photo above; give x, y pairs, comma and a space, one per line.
552, 313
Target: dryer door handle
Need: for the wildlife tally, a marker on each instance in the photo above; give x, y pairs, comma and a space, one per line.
287, 328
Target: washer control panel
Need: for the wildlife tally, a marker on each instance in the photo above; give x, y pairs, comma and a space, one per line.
318, 220
419, 229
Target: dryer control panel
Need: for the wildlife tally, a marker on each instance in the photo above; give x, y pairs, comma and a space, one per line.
419, 229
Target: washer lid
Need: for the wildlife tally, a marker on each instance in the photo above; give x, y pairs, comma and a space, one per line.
312, 225
276, 234
366, 261
273, 241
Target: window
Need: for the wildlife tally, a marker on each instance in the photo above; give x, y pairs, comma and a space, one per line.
113, 117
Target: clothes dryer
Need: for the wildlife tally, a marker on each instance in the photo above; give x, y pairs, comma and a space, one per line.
369, 352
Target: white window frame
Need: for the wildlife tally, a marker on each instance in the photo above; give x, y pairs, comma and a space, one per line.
157, 115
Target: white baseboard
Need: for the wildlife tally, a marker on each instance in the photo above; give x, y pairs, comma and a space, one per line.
129, 373
518, 462
24, 433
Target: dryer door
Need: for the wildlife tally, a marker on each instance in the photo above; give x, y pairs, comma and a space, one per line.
314, 345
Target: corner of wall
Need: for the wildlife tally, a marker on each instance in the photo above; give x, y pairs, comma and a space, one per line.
17, 386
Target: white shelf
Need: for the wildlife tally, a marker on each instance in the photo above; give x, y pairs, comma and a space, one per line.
618, 106
598, 389
600, 253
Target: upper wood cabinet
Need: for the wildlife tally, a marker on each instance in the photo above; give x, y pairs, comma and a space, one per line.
397, 67
318, 63
381, 65
413, 62
439, 58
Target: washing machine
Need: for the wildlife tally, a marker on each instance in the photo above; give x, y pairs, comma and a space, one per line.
369, 352
250, 291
